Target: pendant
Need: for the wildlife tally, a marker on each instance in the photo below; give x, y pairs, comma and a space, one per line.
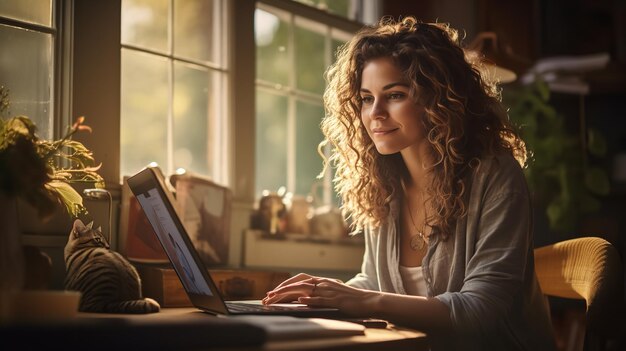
417, 243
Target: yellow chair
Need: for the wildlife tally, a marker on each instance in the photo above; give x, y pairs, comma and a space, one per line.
586, 269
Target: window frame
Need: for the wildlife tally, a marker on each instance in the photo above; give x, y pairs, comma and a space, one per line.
60, 90
333, 26
218, 132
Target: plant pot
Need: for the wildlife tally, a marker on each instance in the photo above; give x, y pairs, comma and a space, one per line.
11, 259
30, 306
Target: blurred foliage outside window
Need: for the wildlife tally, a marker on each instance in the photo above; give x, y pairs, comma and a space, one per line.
336, 7
173, 86
27, 39
292, 55
561, 171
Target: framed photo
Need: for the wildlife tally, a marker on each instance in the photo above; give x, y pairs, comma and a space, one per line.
205, 210
138, 242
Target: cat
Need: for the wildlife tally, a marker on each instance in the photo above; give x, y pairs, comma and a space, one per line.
107, 281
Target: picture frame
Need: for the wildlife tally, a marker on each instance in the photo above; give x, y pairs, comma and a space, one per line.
205, 210
137, 240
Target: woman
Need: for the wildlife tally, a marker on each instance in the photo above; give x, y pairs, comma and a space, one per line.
429, 169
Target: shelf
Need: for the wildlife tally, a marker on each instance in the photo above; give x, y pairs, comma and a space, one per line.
261, 252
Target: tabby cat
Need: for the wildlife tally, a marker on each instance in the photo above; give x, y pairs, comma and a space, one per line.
108, 282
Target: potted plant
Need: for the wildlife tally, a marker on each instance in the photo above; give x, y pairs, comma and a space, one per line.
564, 184
40, 172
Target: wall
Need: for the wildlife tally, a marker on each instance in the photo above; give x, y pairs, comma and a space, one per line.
92, 74
460, 14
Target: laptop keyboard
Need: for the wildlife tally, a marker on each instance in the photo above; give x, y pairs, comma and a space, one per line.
244, 307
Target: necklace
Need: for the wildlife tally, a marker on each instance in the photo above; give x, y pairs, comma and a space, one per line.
418, 240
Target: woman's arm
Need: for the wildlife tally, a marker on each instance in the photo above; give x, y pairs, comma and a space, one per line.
419, 312
498, 242
367, 278
428, 314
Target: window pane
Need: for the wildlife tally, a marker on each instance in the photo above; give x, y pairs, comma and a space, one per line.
310, 63
336, 44
272, 60
33, 11
26, 70
192, 88
145, 24
271, 141
195, 30
338, 7
308, 136
144, 111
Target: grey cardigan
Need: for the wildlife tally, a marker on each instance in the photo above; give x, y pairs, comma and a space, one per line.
484, 272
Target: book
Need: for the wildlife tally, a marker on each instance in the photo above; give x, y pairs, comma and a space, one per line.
289, 327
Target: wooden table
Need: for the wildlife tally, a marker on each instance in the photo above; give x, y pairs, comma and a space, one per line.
391, 338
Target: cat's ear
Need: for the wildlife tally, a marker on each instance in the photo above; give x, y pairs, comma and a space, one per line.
77, 228
90, 225
99, 230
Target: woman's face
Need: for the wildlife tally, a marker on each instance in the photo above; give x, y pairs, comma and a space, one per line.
391, 117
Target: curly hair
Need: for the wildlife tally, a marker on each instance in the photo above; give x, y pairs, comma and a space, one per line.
464, 121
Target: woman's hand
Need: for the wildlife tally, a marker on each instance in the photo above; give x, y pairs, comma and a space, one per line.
325, 292
299, 285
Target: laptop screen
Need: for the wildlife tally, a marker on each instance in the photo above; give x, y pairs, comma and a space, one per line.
157, 203
172, 241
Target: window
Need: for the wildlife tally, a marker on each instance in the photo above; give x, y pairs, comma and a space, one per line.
364, 11
173, 89
293, 52
28, 38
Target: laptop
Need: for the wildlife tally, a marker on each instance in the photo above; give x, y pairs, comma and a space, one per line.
157, 202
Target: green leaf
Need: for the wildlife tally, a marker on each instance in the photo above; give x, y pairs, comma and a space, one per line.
543, 90
549, 112
597, 181
589, 204
596, 143
46, 166
69, 197
555, 215
561, 215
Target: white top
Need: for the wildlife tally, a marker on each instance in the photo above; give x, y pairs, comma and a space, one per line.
413, 280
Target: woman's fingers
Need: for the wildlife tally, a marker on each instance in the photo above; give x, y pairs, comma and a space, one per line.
349, 300
304, 277
299, 283
291, 292
315, 291
285, 297
296, 278
305, 288
302, 286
